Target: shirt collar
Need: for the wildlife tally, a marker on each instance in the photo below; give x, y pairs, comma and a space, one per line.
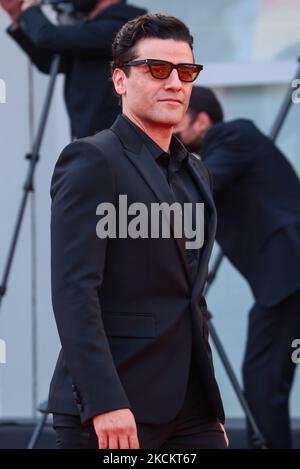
178, 152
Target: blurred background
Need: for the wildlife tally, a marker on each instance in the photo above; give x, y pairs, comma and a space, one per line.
249, 49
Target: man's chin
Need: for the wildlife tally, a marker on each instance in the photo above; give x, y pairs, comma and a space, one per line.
171, 119
168, 115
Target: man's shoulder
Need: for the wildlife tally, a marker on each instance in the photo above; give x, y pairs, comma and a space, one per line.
84, 162
239, 129
86, 154
236, 134
101, 141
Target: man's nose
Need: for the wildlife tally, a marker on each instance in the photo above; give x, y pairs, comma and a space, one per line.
173, 81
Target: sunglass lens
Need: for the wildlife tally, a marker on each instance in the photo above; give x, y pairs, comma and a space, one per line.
188, 72
160, 69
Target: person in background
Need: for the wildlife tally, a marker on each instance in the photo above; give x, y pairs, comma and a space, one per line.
257, 195
85, 49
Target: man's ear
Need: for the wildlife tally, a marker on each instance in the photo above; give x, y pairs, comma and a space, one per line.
119, 81
203, 122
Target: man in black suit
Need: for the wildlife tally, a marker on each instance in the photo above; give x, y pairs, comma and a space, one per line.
257, 195
85, 49
130, 309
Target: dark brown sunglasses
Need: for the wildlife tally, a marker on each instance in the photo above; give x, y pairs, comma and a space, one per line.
162, 69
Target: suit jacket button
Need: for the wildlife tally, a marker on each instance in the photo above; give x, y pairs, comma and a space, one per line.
76, 397
80, 407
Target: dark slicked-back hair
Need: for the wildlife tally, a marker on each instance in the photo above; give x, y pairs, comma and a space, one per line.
204, 100
146, 26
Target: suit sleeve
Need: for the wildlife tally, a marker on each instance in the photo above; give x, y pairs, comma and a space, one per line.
81, 38
81, 180
41, 59
227, 160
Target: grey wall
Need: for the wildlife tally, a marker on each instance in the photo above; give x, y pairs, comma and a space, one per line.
229, 298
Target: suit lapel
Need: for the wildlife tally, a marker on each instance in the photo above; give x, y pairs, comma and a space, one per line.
143, 161
147, 167
205, 191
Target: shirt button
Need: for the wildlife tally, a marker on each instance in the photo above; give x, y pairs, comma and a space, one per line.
191, 254
80, 407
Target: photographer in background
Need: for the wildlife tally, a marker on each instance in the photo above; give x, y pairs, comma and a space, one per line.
85, 49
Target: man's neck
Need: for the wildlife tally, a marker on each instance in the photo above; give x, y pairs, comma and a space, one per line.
159, 134
100, 7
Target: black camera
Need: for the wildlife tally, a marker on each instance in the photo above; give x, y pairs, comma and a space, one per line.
80, 6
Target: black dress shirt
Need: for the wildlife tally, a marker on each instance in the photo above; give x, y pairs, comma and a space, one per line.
174, 167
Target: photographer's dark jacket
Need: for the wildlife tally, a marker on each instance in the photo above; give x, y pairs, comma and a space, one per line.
257, 195
85, 49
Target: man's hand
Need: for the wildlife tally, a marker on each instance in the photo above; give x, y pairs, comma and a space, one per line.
116, 430
12, 7
28, 3
225, 435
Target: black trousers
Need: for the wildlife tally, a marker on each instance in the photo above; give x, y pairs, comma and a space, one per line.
268, 369
194, 426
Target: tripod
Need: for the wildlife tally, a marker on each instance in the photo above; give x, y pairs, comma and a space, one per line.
33, 158
28, 187
256, 436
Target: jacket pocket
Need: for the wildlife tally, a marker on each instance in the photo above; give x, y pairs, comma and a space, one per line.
129, 324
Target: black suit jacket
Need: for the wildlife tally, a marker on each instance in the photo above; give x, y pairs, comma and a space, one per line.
85, 49
127, 310
257, 195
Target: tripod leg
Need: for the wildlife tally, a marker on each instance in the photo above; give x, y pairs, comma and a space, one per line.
37, 432
257, 438
33, 157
